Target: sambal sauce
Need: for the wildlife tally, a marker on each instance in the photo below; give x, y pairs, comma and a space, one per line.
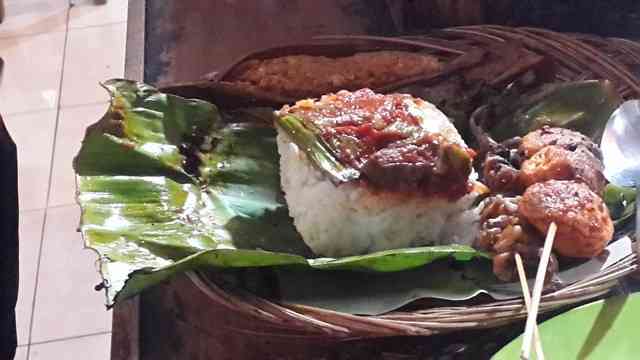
396, 142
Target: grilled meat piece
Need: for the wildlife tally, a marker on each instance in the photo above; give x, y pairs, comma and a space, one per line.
556, 163
564, 138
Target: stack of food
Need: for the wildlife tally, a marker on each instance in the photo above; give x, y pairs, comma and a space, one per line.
551, 175
364, 172
404, 178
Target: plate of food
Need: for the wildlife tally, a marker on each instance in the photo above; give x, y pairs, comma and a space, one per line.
363, 186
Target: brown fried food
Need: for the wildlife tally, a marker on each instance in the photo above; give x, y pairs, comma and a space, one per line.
556, 163
308, 76
584, 224
501, 176
504, 232
564, 138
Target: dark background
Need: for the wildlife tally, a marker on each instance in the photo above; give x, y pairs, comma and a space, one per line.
187, 39
603, 17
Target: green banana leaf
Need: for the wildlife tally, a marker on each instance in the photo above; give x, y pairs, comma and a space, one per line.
374, 293
141, 133
621, 202
317, 151
601, 330
584, 106
151, 215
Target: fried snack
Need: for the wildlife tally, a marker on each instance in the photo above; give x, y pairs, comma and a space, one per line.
557, 163
564, 138
584, 224
504, 232
501, 176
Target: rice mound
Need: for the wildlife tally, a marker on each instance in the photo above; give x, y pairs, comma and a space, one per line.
350, 219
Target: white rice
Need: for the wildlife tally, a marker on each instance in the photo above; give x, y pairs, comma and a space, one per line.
351, 220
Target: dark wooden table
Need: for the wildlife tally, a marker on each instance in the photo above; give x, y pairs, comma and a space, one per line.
175, 41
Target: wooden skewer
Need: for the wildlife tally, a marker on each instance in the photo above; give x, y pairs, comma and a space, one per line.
527, 303
537, 292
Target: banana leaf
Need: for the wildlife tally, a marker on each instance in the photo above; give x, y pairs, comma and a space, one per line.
141, 133
317, 150
584, 106
374, 293
621, 202
600, 330
150, 214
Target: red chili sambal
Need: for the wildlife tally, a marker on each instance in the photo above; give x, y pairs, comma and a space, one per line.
396, 142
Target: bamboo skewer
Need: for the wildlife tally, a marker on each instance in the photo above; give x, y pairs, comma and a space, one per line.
537, 292
527, 303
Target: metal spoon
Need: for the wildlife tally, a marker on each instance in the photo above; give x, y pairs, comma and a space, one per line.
620, 147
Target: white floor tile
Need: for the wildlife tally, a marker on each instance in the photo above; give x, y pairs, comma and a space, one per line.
21, 353
28, 17
66, 303
96, 347
72, 125
94, 54
33, 134
86, 13
32, 72
30, 233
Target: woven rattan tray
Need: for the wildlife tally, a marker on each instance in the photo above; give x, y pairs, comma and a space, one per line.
575, 56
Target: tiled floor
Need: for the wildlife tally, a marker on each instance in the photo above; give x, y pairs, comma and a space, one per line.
55, 55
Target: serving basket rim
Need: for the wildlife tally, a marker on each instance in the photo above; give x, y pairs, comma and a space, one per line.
321, 323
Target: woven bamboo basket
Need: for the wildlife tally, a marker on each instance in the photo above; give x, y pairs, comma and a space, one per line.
575, 57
